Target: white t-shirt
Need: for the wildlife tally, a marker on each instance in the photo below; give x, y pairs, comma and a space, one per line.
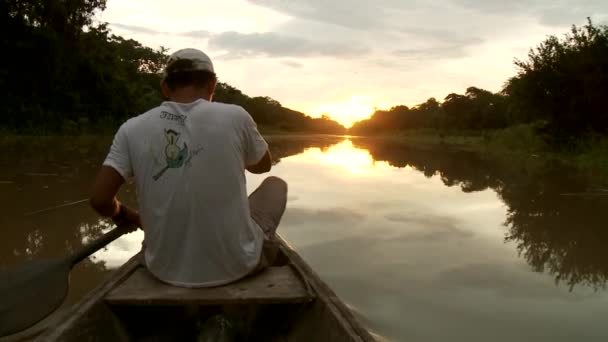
189, 163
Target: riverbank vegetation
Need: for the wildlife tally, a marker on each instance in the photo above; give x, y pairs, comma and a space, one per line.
518, 145
555, 103
65, 74
69, 75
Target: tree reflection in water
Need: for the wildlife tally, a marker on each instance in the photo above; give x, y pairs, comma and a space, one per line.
39, 173
563, 235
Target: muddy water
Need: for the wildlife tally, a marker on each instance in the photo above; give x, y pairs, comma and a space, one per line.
424, 244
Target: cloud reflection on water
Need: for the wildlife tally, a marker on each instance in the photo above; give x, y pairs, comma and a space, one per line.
412, 238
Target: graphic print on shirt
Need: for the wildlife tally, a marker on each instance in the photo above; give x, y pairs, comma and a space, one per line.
174, 156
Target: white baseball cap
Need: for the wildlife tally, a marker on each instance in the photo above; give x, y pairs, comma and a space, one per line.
200, 61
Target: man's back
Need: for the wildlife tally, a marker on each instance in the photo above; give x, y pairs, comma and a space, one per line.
188, 161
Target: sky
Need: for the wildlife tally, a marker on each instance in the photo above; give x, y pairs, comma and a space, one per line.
345, 58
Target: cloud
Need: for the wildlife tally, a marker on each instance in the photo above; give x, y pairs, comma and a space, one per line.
292, 64
403, 52
145, 30
447, 22
264, 44
452, 51
497, 6
426, 220
435, 228
136, 29
360, 14
547, 12
272, 44
196, 34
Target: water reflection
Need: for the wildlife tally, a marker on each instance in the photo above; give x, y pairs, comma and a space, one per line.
563, 235
408, 236
556, 233
41, 173
344, 156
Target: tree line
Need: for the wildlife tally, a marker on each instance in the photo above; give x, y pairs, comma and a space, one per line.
268, 112
64, 73
559, 89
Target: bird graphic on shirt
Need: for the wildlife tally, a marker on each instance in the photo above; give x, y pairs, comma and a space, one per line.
174, 155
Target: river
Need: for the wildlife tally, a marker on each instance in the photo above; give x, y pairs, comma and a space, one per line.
423, 243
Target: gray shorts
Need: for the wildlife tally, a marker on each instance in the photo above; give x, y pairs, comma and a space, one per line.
267, 205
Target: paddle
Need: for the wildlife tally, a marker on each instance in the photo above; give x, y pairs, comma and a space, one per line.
31, 292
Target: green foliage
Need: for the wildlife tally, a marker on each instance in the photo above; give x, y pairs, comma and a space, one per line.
63, 17
521, 138
65, 75
561, 88
269, 113
594, 159
62, 78
565, 81
476, 110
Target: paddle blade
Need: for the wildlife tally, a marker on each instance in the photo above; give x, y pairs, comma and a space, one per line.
31, 292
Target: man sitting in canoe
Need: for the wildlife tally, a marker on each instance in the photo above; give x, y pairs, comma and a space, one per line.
188, 158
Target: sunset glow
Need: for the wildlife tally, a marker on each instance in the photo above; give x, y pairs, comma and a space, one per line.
343, 59
343, 156
349, 111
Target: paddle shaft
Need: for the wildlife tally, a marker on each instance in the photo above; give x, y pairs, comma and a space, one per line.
32, 291
97, 244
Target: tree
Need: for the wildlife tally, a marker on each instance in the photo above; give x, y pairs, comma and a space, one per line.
564, 83
65, 75
66, 18
478, 109
457, 109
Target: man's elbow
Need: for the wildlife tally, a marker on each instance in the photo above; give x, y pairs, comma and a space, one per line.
263, 166
95, 203
266, 168
258, 169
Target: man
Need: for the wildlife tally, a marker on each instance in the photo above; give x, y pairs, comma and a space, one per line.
188, 158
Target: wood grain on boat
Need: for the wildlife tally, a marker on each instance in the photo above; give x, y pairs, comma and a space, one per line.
287, 302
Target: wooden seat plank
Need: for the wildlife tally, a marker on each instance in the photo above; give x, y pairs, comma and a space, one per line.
271, 286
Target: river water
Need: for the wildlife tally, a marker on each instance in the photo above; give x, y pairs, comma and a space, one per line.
424, 244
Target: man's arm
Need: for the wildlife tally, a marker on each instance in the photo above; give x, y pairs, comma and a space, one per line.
116, 168
103, 198
256, 153
263, 165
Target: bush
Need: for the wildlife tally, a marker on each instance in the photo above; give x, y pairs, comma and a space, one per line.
521, 137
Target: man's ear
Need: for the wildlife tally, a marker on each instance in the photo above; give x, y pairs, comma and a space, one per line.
211, 89
164, 88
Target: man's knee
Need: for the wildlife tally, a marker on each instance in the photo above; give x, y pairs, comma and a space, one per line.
276, 183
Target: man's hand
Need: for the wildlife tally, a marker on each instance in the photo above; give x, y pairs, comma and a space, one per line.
103, 199
133, 218
127, 217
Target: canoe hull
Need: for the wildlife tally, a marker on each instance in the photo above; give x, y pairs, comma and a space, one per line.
100, 317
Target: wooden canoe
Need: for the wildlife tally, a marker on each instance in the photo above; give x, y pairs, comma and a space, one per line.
285, 302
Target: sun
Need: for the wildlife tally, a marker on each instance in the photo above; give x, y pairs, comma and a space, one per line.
349, 111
